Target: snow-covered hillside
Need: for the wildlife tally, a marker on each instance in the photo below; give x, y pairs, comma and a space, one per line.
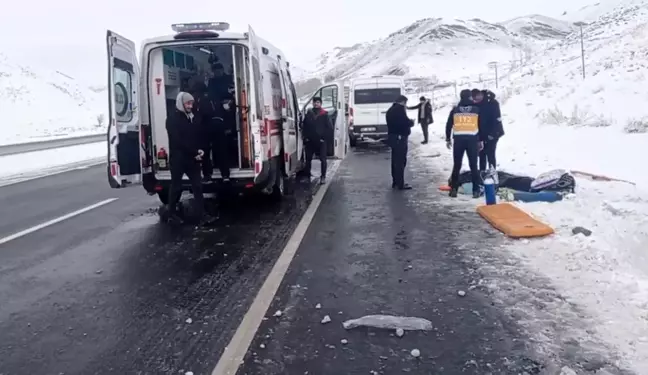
39, 104
555, 118
440, 50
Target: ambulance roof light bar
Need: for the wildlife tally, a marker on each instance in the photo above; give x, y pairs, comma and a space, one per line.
200, 26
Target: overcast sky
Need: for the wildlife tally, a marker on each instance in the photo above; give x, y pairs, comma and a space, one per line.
69, 35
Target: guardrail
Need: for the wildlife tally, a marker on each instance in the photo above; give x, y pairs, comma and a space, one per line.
21, 148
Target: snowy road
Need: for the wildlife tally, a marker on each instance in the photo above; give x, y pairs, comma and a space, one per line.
109, 291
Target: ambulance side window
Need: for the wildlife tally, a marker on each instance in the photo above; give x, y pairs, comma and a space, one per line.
256, 76
123, 91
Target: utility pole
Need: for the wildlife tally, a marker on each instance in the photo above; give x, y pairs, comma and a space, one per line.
581, 24
493, 65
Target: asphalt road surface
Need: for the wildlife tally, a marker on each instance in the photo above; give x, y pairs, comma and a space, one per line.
112, 291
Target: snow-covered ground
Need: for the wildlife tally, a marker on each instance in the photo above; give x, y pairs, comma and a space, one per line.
38, 103
555, 119
15, 168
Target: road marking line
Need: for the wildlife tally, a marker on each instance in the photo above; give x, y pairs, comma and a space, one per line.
235, 351
55, 221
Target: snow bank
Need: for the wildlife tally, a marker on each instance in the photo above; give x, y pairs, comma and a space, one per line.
15, 168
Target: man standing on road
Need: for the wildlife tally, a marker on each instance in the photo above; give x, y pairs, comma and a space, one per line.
493, 130
184, 132
464, 127
424, 116
398, 131
317, 123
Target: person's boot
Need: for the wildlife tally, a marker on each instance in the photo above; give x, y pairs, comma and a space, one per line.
424, 142
207, 179
405, 187
322, 180
394, 186
476, 194
453, 192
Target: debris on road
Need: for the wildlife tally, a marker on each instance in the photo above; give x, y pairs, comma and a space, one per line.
581, 230
415, 353
400, 332
262, 346
189, 321
344, 341
461, 293
327, 319
318, 306
407, 323
278, 313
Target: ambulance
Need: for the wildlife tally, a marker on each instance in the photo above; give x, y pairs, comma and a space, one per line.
266, 149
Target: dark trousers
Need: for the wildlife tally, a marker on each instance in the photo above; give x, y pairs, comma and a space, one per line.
180, 167
470, 146
315, 147
398, 144
424, 127
216, 150
487, 155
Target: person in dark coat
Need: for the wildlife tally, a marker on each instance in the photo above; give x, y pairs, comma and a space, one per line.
212, 117
493, 130
219, 85
185, 154
398, 131
464, 129
316, 125
424, 116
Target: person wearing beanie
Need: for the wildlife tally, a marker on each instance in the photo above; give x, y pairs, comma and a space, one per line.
185, 155
493, 131
398, 131
424, 116
463, 128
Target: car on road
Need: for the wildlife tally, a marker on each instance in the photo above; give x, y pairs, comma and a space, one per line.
369, 100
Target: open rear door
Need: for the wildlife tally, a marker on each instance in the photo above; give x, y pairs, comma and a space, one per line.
333, 102
124, 166
340, 146
255, 113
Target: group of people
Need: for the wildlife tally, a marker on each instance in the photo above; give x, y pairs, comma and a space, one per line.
473, 128
199, 131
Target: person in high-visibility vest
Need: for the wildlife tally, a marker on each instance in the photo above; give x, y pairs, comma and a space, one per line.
464, 136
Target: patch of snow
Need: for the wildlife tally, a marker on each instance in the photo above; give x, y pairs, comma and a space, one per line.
14, 168
389, 322
415, 353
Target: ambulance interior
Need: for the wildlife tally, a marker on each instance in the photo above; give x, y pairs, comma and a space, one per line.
221, 67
